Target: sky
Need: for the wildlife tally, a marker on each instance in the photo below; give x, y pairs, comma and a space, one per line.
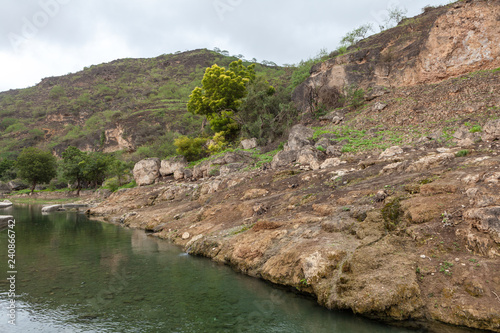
44, 38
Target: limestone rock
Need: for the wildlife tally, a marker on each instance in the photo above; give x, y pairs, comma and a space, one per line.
333, 151
168, 167
51, 208
379, 106
299, 137
147, 171
249, 143
186, 235
491, 130
5, 204
430, 161
390, 152
307, 156
330, 163
179, 174
485, 220
284, 158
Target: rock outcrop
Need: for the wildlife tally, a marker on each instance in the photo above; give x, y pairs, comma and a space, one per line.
147, 171
441, 43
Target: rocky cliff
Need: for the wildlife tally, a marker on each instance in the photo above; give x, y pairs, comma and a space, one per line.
440, 43
390, 209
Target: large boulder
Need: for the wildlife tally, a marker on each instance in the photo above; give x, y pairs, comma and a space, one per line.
284, 158
249, 143
300, 136
491, 130
308, 156
147, 171
4, 188
16, 185
168, 167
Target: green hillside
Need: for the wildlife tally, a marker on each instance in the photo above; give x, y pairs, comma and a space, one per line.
135, 106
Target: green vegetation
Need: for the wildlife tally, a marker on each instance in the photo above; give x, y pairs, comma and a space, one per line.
462, 153
36, 166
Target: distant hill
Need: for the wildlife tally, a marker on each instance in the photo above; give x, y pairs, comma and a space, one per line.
133, 105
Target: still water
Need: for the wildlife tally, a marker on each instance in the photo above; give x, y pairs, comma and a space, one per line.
78, 275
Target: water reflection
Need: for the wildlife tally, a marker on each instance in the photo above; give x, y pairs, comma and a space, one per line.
77, 275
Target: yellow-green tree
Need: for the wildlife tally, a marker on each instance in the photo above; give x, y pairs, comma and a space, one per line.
221, 95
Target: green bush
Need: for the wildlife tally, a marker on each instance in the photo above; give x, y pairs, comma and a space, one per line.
191, 148
56, 93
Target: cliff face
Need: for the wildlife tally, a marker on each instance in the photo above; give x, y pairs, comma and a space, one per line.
441, 43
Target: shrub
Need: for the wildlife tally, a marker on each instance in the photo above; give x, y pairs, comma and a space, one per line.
475, 129
353, 96
191, 148
462, 153
57, 92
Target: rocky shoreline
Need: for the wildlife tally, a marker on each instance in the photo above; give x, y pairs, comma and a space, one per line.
411, 235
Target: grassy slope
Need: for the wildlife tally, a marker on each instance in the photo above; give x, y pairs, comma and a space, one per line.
145, 97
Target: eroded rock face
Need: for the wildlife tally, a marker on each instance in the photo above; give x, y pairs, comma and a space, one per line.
451, 40
147, 171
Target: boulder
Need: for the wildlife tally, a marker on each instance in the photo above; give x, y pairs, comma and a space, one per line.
284, 158
52, 208
16, 185
334, 151
491, 130
379, 106
147, 171
300, 136
5, 204
168, 167
333, 118
323, 142
188, 174
179, 174
4, 188
249, 143
308, 156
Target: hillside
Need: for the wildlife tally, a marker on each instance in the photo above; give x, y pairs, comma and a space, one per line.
385, 198
133, 105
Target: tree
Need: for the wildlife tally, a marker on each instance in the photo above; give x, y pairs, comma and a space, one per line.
356, 35
96, 168
220, 96
394, 16
73, 166
36, 166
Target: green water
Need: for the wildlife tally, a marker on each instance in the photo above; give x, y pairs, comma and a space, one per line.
76, 275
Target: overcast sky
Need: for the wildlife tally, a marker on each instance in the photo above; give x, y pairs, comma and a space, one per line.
42, 38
